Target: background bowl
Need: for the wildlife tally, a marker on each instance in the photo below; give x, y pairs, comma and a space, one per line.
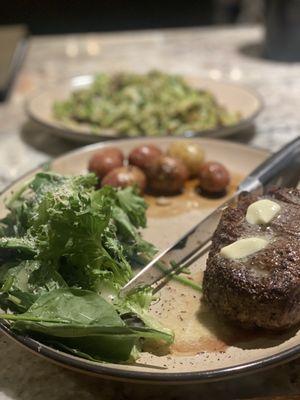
234, 98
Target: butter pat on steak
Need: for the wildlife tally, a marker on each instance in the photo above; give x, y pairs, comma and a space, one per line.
262, 289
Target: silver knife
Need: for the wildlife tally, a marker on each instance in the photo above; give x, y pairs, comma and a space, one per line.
280, 169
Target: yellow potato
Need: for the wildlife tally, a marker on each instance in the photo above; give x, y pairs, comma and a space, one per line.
191, 154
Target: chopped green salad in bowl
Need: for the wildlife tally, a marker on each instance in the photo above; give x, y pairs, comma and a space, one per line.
66, 249
153, 104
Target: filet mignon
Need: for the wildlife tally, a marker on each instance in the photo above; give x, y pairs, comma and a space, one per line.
263, 289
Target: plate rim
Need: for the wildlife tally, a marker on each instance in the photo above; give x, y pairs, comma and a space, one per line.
109, 372
175, 378
73, 134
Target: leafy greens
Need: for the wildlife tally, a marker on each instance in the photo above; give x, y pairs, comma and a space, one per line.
66, 250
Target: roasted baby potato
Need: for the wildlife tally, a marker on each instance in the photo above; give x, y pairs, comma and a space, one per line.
144, 155
166, 175
214, 177
105, 160
125, 176
191, 154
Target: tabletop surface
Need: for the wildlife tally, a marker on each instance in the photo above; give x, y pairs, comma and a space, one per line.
230, 54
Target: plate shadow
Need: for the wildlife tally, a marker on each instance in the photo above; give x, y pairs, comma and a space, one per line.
42, 139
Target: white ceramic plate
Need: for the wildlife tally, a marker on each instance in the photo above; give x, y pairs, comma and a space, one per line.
205, 347
234, 97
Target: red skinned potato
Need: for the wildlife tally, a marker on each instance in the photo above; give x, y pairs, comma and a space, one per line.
166, 175
105, 160
214, 177
144, 155
125, 176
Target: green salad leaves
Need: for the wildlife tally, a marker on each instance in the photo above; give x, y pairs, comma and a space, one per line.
66, 249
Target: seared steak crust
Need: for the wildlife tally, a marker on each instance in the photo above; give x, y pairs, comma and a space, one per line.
262, 289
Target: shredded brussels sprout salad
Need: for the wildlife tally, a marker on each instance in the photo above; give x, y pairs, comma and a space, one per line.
154, 104
66, 249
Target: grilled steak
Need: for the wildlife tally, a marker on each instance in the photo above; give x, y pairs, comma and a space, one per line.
263, 289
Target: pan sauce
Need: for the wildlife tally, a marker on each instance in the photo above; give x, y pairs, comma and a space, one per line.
190, 199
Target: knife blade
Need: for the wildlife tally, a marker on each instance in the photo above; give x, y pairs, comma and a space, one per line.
171, 259
179, 253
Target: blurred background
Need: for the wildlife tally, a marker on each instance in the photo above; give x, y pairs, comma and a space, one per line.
56, 16
244, 43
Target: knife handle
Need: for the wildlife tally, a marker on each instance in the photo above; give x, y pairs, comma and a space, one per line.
280, 169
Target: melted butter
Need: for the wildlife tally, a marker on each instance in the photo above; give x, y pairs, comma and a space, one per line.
243, 248
262, 212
